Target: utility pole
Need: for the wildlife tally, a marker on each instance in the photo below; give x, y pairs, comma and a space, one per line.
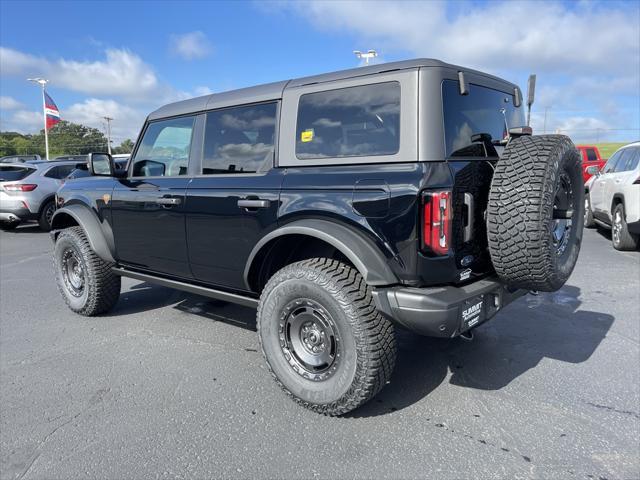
42, 82
108, 119
367, 56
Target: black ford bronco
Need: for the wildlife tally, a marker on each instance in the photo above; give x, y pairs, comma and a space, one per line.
340, 206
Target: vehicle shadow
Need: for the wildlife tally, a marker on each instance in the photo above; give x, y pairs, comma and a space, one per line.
143, 297
550, 325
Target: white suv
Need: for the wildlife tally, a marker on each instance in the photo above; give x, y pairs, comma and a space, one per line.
613, 197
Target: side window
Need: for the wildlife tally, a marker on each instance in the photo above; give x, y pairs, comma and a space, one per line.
633, 161
349, 122
591, 155
165, 147
239, 139
626, 159
60, 172
611, 163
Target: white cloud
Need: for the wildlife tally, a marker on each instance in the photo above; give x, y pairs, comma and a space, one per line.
121, 72
22, 121
190, 46
586, 55
126, 123
9, 103
544, 36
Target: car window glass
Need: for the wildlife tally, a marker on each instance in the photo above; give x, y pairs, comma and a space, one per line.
483, 111
60, 172
591, 155
10, 174
611, 163
164, 150
625, 156
239, 139
632, 162
349, 122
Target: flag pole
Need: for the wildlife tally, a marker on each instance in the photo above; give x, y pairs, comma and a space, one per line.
44, 114
42, 82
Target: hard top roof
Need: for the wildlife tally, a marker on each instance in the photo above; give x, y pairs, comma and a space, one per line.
272, 91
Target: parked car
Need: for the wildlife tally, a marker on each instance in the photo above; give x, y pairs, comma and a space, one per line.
590, 157
19, 158
27, 191
613, 197
340, 205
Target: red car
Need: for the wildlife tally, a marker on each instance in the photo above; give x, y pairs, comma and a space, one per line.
590, 157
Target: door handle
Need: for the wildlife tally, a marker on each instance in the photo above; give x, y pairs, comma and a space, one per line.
168, 201
253, 203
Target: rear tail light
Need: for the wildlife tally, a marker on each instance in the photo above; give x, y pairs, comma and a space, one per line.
20, 187
436, 222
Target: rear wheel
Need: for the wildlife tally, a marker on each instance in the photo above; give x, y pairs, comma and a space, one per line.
324, 341
86, 282
620, 236
46, 214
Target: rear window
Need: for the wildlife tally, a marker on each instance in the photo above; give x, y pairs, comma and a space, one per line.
349, 122
591, 155
11, 174
482, 111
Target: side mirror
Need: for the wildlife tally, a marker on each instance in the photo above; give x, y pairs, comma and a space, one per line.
101, 164
593, 170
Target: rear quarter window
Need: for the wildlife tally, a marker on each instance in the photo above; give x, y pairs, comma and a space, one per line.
11, 174
349, 122
591, 155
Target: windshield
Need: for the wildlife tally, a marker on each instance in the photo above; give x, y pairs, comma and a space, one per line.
482, 111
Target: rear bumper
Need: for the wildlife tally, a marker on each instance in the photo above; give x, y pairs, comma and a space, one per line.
445, 311
13, 215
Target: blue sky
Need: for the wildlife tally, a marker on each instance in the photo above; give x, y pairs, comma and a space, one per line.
124, 59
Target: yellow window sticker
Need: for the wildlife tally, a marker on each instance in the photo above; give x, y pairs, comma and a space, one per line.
306, 135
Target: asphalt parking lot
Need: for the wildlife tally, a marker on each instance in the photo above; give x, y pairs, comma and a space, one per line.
173, 385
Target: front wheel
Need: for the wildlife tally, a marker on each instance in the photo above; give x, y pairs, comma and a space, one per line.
324, 341
620, 236
87, 283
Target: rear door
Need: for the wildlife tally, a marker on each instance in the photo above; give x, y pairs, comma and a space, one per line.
148, 206
233, 200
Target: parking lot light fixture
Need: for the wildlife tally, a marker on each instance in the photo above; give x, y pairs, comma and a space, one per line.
365, 55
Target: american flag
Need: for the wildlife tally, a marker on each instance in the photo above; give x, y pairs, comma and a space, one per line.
51, 111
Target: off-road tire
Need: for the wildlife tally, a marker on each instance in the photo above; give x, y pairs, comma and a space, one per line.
625, 241
589, 221
101, 288
46, 214
367, 347
520, 213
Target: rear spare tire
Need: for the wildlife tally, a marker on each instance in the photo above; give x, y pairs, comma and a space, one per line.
535, 213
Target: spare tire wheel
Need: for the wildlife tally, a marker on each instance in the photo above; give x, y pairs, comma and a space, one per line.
535, 213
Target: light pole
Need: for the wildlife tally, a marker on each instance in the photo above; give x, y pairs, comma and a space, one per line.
367, 56
544, 128
42, 82
108, 119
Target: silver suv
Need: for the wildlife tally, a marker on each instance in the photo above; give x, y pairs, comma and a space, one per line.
27, 191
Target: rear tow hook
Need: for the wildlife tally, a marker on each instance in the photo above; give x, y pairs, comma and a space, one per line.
467, 336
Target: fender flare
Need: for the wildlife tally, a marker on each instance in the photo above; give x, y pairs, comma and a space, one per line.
363, 253
92, 227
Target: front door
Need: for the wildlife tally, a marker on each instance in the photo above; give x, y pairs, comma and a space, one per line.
148, 206
233, 202
597, 193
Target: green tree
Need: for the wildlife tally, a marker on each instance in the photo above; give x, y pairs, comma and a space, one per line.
67, 138
125, 147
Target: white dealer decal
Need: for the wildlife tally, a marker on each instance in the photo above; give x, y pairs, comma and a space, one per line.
472, 311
